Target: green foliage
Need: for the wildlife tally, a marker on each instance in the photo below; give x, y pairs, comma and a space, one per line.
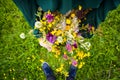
20, 58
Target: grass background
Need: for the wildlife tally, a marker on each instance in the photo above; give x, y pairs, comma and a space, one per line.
20, 59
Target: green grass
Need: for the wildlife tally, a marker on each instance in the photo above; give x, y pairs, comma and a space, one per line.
20, 58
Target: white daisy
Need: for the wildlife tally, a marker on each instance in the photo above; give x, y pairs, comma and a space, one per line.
22, 35
38, 24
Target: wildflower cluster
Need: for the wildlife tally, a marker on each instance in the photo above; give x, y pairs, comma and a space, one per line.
60, 34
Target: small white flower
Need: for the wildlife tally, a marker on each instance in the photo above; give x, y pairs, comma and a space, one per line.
38, 24
22, 35
60, 39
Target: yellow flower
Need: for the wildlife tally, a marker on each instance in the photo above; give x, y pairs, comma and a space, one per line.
56, 42
39, 68
87, 54
66, 74
44, 23
59, 69
63, 34
81, 65
48, 28
68, 21
58, 32
80, 55
44, 28
93, 28
74, 34
58, 52
49, 25
80, 7
49, 12
53, 23
53, 49
43, 18
64, 52
64, 40
53, 32
57, 18
70, 62
41, 29
72, 15
41, 60
62, 65
74, 57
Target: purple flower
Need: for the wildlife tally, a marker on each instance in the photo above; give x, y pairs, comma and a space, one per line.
51, 38
68, 47
75, 45
50, 17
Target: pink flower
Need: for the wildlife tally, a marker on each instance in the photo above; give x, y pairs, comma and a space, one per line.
65, 56
74, 62
68, 47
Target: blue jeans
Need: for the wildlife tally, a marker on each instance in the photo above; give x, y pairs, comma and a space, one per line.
53, 78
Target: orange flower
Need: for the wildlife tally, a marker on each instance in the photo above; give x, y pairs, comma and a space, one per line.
67, 27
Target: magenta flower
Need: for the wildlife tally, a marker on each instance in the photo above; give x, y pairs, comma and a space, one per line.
51, 38
74, 62
68, 47
50, 17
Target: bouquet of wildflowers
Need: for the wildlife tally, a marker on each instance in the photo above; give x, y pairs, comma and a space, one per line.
60, 34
